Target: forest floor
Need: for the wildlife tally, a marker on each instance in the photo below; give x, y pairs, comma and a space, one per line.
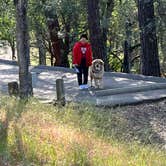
146, 119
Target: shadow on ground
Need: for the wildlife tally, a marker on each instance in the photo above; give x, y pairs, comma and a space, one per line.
13, 114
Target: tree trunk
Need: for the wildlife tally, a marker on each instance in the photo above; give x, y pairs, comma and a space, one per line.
163, 49
106, 16
149, 57
53, 27
127, 48
96, 36
126, 61
41, 47
12, 45
162, 31
66, 46
13, 53
22, 39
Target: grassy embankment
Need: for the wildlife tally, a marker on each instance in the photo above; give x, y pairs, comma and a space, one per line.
32, 133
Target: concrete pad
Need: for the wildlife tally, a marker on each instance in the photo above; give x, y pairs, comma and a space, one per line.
44, 85
130, 98
132, 89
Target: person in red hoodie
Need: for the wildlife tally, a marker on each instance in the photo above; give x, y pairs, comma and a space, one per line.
82, 59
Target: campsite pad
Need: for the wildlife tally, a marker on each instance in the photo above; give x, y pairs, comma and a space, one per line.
119, 88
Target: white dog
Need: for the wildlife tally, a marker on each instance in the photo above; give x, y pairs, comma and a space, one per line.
96, 73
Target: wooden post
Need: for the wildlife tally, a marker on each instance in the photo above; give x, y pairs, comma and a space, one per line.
60, 91
13, 89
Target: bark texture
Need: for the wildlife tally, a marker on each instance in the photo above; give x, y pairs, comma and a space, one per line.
149, 56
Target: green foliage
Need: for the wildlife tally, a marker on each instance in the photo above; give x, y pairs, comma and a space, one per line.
72, 17
7, 21
116, 65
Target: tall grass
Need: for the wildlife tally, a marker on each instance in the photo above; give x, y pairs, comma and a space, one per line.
35, 134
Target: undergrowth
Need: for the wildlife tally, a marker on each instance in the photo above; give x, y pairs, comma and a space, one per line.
38, 134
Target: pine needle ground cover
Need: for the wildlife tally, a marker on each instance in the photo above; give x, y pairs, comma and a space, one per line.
36, 134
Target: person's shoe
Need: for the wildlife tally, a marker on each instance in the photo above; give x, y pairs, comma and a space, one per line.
85, 86
81, 87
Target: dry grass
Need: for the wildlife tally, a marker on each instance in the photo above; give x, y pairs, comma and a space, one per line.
76, 135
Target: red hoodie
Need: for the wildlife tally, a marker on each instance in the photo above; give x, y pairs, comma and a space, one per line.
77, 53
